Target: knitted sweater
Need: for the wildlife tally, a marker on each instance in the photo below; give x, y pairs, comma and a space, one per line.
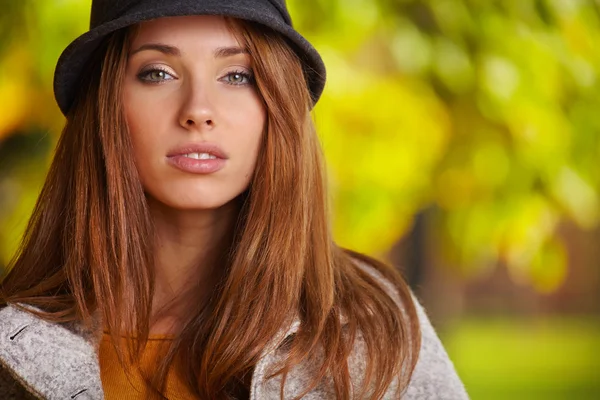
42, 360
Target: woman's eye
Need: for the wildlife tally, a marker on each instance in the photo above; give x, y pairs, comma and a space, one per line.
155, 76
238, 78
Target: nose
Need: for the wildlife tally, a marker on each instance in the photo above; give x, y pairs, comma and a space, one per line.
197, 110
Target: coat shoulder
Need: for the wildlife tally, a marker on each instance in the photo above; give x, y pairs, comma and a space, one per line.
10, 387
434, 376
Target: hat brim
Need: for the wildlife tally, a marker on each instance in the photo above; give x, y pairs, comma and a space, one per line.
74, 58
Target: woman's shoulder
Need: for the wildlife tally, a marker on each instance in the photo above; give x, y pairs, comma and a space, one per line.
434, 376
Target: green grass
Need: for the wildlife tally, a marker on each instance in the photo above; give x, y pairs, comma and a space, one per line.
553, 358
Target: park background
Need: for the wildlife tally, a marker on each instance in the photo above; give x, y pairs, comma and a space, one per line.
463, 145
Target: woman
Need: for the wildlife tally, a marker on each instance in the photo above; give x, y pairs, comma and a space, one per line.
180, 247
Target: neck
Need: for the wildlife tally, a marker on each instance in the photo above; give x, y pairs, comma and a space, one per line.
190, 248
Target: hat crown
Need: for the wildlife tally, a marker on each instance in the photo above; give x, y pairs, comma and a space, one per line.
282, 8
106, 10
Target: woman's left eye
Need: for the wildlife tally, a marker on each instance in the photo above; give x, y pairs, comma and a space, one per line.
239, 78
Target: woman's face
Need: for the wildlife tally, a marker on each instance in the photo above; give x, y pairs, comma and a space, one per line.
194, 114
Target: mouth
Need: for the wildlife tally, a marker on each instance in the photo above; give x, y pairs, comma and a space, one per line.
201, 158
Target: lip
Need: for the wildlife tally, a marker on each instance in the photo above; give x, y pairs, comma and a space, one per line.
177, 158
209, 148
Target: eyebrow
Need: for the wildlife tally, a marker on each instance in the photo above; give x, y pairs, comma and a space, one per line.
220, 52
224, 52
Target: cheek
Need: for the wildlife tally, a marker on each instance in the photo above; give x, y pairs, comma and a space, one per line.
139, 113
143, 123
135, 123
249, 143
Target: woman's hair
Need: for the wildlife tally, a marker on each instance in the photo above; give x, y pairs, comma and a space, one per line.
87, 252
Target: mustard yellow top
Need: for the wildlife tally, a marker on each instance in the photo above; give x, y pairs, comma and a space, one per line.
118, 385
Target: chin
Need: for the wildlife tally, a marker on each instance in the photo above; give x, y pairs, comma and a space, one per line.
187, 201
196, 204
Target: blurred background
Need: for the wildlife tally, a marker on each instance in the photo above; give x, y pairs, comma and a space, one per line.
463, 145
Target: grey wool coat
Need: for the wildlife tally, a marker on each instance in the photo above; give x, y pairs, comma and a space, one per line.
42, 360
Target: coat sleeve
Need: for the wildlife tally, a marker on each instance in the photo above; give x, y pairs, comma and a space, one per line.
434, 376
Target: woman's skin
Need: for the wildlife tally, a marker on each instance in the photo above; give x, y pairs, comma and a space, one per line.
188, 84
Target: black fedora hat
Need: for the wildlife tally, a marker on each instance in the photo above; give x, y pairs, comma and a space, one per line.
111, 15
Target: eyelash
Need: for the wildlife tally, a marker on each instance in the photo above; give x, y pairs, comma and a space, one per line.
143, 76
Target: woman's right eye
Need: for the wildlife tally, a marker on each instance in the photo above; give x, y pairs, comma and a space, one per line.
155, 75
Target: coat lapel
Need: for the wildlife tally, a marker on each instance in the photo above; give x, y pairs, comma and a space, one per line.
52, 361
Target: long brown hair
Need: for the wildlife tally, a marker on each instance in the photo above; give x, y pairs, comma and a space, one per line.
88, 246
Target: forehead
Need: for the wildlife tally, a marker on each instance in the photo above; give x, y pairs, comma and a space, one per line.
197, 29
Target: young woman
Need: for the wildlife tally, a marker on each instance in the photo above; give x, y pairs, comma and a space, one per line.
180, 247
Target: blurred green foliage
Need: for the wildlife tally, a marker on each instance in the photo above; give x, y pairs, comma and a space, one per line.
484, 112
